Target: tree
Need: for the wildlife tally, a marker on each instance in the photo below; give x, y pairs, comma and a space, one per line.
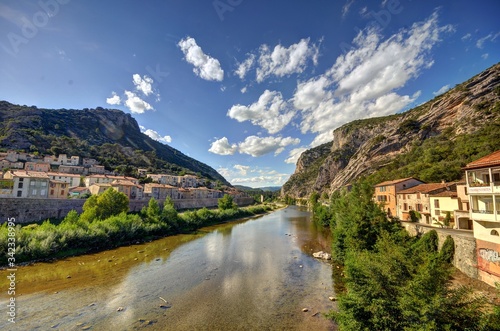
169, 213
102, 206
152, 211
226, 202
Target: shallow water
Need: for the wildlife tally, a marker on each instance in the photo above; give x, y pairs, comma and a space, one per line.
255, 274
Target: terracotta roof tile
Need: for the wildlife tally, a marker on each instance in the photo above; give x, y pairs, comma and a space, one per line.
425, 188
492, 159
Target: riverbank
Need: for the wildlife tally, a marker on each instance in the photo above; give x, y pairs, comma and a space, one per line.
74, 236
256, 273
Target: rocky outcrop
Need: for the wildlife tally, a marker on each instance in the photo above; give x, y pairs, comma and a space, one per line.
362, 146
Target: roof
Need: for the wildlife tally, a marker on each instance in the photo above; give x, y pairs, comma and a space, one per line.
490, 160
30, 174
426, 188
396, 181
62, 174
78, 189
444, 194
122, 182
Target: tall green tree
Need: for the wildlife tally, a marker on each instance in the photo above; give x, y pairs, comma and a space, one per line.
226, 202
109, 203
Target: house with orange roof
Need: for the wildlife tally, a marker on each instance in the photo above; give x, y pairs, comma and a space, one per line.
443, 203
417, 198
130, 189
483, 186
386, 193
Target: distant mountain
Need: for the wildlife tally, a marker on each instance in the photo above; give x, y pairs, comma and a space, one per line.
432, 141
264, 189
108, 135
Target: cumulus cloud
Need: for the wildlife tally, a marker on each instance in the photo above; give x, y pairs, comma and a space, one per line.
294, 155
283, 61
222, 147
155, 135
442, 90
143, 84
346, 8
205, 66
270, 112
363, 82
114, 99
245, 66
136, 104
253, 145
253, 176
258, 146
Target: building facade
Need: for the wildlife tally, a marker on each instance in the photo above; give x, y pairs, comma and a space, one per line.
483, 186
386, 193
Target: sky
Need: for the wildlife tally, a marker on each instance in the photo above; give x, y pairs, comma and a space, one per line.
243, 86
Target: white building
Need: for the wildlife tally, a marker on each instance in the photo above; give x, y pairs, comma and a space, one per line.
28, 184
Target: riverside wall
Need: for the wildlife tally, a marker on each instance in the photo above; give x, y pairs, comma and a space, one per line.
465, 258
26, 210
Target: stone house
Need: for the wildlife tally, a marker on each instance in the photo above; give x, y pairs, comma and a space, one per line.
386, 193
37, 166
130, 189
28, 184
160, 191
417, 198
72, 179
58, 189
442, 203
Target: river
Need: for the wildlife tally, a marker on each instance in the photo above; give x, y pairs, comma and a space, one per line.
253, 274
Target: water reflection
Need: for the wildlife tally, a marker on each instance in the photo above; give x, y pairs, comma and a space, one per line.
255, 274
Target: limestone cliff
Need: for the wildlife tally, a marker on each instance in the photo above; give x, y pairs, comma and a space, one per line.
363, 146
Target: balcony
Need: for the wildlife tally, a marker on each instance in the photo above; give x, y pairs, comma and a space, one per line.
485, 215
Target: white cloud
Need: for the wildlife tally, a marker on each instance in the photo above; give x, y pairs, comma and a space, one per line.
282, 61
346, 7
442, 90
485, 56
136, 104
243, 170
205, 66
244, 90
490, 37
222, 147
155, 135
253, 145
270, 112
143, 84
258, 146
363, 82
114, 99
466, 37
295, 154
254, 176
245, 66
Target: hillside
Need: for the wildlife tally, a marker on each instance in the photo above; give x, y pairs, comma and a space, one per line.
108, 135
432, 141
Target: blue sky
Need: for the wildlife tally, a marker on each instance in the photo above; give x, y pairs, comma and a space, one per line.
244, 86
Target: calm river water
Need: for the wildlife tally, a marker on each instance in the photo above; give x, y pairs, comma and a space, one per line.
255, 274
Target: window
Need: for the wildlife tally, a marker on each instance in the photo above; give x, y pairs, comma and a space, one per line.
437, 212
405, 206
43, 192
21, 179
19, 194
62, 192
418, 195
494, 233
33, 192
20, 185
436, 203
51, 192
32, 183
44, 184
419, 207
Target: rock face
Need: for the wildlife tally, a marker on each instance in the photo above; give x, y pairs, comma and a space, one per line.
362, 146
322, 255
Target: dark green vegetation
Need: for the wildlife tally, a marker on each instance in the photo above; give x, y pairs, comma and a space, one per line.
104, 224
107, 135
393, 281
439, 158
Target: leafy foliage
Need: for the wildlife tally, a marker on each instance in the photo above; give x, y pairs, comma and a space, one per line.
226, 202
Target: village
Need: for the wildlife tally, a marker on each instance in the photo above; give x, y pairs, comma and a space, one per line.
63, 177
471, 206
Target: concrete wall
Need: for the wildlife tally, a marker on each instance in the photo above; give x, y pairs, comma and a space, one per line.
465, 258
27, 210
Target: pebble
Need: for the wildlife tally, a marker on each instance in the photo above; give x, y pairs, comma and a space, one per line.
68, 276
120, 309
332, 298
86, 327
305, 310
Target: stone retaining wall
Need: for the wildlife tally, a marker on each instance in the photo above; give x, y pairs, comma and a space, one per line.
465, 258
32, 210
